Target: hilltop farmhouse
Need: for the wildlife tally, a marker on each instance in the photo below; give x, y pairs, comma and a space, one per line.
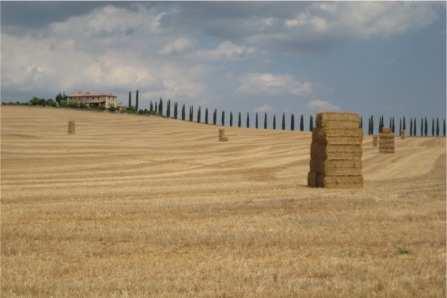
94, 99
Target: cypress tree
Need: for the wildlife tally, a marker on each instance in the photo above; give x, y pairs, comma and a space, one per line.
372, 125
411, 127
415, 132
283, 122
292, 122
437, 127
137, 97
432, 127
168, 109
302, 123
239, 121
422, 127
257, 121
156, 108
175, 110
151, 107
199, 115
206, 116
400, 126
361, 122
443, 128
311, 123
381, 124
130, 99
274, 121
215, 117
160, 107
265, 120
425, 127
248, 120
223, 118
191, 113
393, 124
404, 126
183, 112
231, 119
369, 126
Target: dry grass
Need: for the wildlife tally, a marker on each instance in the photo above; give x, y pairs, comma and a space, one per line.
138, 206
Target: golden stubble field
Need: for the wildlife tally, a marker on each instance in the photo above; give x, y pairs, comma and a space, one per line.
136, 206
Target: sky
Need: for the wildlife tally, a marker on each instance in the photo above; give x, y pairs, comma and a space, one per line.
302, 57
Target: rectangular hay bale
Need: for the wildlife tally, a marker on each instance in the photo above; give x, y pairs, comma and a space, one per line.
336, 151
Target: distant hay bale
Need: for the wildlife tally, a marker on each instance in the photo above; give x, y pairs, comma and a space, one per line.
375, 140
386, 141
336, 151
71, 127
222, 137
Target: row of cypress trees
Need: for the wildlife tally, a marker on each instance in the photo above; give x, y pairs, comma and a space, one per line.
413, 128
220, 118
173, 110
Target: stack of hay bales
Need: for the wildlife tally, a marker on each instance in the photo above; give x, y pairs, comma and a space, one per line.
222, 137
386, 141
71, 127
375, 140
336, 151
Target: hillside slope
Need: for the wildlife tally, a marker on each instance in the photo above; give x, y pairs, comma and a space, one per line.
142, 205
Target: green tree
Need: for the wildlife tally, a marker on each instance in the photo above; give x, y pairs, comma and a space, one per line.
248, 120
274, 121
199, 115
160, 107
191, 114
283, 122
292, 122
231, 119
265, 121
206, 116
256, 121
168, 109
223, 119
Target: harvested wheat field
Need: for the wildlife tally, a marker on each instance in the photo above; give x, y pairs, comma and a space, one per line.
143, 206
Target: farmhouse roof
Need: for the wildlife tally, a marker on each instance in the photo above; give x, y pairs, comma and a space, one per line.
89, 93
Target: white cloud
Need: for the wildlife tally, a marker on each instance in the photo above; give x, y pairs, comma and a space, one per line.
362, 20
110, 20
227, 50
270, 84
319, 105
264, 108
88, 52
178, 46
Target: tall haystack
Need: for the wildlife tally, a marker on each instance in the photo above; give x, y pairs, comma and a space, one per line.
71, 127
336, 151
375, 140
222, 137
386, 141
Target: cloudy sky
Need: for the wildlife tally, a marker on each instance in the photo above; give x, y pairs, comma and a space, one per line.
296, 57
